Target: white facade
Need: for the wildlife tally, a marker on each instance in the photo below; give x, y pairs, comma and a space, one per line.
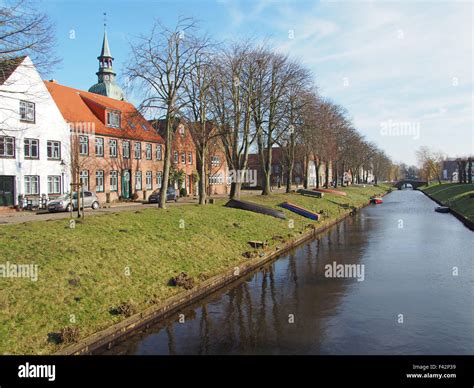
34, 139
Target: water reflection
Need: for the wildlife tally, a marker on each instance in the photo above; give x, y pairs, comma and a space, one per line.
408, 270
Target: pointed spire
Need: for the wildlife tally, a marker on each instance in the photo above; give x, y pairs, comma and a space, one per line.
105, 52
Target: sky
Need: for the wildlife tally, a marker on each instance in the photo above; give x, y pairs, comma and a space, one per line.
402, 69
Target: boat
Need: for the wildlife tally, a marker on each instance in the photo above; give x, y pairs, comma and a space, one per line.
311, 193
376, 200
301, 211
331, 191
256, 208
442, 209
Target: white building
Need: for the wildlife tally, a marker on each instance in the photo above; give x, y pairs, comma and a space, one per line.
34, 137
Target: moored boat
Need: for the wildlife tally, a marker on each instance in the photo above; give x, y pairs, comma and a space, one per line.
376, 200
331, 191
256, 208
442, 209
301, 211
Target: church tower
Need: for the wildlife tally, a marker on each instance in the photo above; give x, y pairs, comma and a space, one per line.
106, 84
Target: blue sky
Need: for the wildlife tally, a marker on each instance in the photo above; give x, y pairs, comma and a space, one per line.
391, 64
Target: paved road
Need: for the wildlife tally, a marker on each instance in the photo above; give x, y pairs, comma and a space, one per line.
26, 216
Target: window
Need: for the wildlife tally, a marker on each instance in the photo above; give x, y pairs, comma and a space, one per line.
84, 179
131, 124
149, 180
138, 150
176, 156
113, 148
216, 179
54, 149
159, 152
54, 184
7, 147
31, 148
27, 111
183, 157
83, 145
99, 181
99, 146
113, 119
159, 177
190, 158
113, 181
144, 127
181, 130
148, 151
138, 180
215, 161
126, 149
31, 184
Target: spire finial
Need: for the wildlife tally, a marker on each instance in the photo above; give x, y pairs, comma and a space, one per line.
105, 20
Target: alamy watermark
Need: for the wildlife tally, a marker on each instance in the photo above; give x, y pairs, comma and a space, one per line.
400, 128
334, 270
11, 270
248, 177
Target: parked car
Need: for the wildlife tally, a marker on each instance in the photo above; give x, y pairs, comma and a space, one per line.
171, 195
63, 203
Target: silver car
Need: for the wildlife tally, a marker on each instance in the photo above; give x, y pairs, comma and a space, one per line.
63, 203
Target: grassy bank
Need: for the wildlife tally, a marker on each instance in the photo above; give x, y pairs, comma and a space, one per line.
86, 272
456, 196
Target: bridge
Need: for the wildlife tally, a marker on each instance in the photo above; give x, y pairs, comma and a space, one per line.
413, 182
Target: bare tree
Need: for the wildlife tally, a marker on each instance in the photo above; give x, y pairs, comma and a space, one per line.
26, 31
231, 88
198, 91
161, 63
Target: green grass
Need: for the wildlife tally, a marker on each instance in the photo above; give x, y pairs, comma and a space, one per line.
456, 196
150, 243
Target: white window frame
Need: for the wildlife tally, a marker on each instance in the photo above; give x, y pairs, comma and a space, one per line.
84, 179
138, 180
54, 184
84, 145
99, 181
32, 184
99, 146
149, 180
137, 150
113, 148
28, 145
126, 147
159, 152
159, 178
7, 142
148, 151
53, 149
114, 180
27, 111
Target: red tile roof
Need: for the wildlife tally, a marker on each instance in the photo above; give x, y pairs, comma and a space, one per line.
79, 106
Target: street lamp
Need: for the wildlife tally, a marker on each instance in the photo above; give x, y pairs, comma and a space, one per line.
63, 167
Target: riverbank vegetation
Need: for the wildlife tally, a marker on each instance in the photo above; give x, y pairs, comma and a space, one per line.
123, 262
457, 196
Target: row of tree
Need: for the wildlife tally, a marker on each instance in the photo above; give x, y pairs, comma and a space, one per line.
245, 95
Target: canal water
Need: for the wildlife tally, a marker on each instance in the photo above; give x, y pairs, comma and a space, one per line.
416, 295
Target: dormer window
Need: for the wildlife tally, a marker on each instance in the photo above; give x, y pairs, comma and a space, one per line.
113, 119
144, 127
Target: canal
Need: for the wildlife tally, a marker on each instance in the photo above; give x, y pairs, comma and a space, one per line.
416, 295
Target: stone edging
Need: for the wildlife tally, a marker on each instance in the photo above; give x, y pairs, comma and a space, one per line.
107, 337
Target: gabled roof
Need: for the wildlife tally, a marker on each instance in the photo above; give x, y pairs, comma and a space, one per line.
79, 106
8, 66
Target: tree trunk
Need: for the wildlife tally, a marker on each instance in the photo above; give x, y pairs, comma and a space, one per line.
166, 172
201, 167
335, 174
326, 183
